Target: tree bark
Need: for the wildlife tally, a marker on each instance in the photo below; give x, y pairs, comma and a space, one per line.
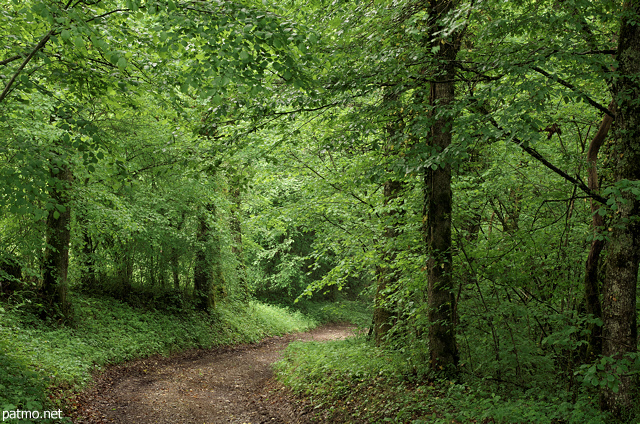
175, 268
237, 248
619, 291
443, 350
202, 267
124, 268
593, 305
174, 255
89, 279
56, 255
204, 277
383, 307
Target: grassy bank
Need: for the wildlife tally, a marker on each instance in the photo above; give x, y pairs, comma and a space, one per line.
355, 312
352, 381
36, 359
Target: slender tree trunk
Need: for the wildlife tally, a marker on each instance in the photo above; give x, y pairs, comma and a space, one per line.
152, 267
237, 248
619, 291
175, 267
218, 283
443, 350
56, 255
174, 256
162, 270
593, 305
384, 307
124, 270
89, 279
202, 272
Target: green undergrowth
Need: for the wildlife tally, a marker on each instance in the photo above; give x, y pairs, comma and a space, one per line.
352, 381
355, 312
38, 359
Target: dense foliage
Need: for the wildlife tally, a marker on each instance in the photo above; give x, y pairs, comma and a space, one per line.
467, 171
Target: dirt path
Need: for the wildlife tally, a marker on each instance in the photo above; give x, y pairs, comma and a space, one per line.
229, 385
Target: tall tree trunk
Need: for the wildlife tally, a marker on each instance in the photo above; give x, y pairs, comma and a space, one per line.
89, 280
202, 272
124, 269
88, 276
619, 291
443, 350
56, 255
175, 268
593, 305
237, 248
174, 255
383, 307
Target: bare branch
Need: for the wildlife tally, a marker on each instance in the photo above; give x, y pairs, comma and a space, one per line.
27, 59
536, 155
572, 87
10, 59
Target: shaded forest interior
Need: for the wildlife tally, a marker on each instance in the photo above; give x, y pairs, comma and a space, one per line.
461, 177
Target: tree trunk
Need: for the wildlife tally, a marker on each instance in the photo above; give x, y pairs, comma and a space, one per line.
174, 255
443, 351
593, 305
619, 291
202, 272
237, 249
124, 270
89, 279
383, 307
56, 255
175, 268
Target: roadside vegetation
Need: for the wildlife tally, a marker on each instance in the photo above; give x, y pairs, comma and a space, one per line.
353, 381
43, 362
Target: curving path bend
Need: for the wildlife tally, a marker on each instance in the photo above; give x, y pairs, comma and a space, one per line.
224, 385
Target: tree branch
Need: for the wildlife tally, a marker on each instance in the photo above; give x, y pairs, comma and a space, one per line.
335, 186
536, 155
323, 216
572, 87
10, 59
27, 59
107, 14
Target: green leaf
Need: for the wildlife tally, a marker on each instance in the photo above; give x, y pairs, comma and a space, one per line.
78, 42
122, 63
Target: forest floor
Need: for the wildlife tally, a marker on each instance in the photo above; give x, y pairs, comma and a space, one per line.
223, 385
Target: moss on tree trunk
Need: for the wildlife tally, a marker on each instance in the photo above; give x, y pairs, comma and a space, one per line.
619, 291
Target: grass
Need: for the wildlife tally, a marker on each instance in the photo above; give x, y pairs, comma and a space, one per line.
354, 311
38, 359
352, 381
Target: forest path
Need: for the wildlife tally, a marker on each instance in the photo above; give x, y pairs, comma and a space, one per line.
223, 385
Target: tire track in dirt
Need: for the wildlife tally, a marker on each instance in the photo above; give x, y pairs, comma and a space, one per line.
223, 385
